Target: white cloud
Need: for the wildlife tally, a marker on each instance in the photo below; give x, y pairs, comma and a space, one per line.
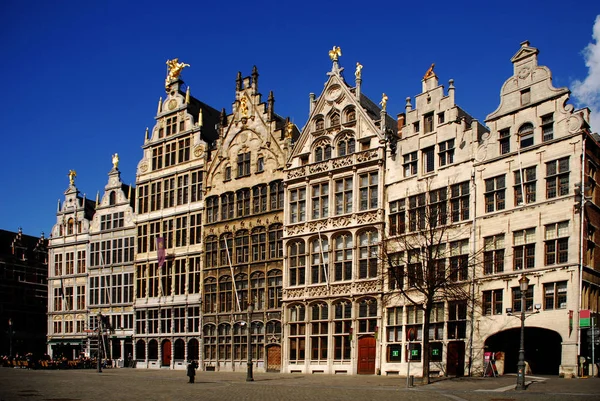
587, 92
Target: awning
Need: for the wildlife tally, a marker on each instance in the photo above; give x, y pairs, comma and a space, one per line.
66, 342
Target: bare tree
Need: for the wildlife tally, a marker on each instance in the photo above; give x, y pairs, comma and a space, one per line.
428, 254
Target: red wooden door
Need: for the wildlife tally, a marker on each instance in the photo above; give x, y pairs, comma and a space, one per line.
166, 353
366, 356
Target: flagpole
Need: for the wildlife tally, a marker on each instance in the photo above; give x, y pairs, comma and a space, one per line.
237, 297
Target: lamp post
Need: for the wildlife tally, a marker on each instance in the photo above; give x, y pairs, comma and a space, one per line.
249, 376
10, 336
523, 285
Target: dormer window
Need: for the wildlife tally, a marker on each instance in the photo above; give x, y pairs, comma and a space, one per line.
171, 125
526, 135
319, 124
70, 226
350, 115
335, 119
112, 198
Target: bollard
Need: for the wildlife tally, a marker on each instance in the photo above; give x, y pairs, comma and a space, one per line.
411, 381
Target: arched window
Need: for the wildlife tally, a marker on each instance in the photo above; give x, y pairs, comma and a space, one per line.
368, 252
227, 206
239, 341
140, 350
275, 241
327, 152
242, 240
211, 252
212, 209
259, 244
70, 226
224, 341
226, 250
346, 147
241, 287
319, 260
334, 119
112, 198
257, 288
526, 135
225, 294
179, 350
210, 295
319, 124
343, 257
276, 195
274, 286
210, 342
319, 331
297, 263
257, 340
153, 350
350, 115
259, 198
342, 324
297, 337
243, 202
193, 350
318, 154
274, 328
367, 315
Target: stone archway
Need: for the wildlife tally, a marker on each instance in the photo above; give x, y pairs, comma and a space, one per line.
543, 349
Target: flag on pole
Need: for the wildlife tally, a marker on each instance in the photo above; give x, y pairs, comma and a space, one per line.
160, 247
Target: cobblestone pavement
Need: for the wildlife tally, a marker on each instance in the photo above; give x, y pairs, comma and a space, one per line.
148, 385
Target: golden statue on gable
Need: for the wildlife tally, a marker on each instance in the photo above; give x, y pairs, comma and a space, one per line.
244, 106
175, 68
115, 160
430, 72
289, 130
383, 102
358, 72
335, 53
72, 175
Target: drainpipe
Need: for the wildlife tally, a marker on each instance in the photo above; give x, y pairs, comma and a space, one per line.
473, 270
581, 212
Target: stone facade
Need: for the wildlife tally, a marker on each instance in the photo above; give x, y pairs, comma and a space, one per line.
322, 232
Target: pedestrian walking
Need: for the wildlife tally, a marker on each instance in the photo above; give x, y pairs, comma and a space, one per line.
191, 371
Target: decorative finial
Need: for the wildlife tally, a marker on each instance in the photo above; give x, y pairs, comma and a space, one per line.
175, 68
200, 122
430, 72
187, 95
383, 102
255, 77
147, 134
72, 175
115, 161
159, 108
334, 53
358, 72
97, 198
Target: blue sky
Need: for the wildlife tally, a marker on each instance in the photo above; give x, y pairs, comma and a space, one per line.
82, 78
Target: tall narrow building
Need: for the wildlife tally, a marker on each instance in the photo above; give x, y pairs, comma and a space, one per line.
169, 208
334, 220
110, 267
68, 316
243, 230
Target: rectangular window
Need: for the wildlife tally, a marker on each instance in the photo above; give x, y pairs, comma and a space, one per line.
441, 118
493, 254
196, 187
368, 190
459, 260
492, 302
397, 217
460, 201
428, 123
243, 164
183, 150
343, 196
297, 205
157, 158
556, 243
457, 319
170, 153
548, 127
416, 212
524, 249
171, 125
320, 201
495, 193
446, 152
516, 299
525, 97
504, 140
428, 159
557, 178
394, 324
410, 164
555, 295
528, 185
182, 189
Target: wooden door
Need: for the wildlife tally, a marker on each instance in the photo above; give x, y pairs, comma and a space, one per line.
366, 356
274, 358
166, 353
455, 365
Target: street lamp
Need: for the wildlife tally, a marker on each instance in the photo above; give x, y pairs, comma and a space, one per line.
523, 285
249, 376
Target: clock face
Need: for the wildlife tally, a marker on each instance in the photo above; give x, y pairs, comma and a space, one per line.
172, 104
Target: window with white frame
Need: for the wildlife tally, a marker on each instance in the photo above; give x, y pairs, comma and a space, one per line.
524, 249
343, 195
555, 295
410, 164
557, 178
297, 205
368, 190
446, 152
556, 243
320, 200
